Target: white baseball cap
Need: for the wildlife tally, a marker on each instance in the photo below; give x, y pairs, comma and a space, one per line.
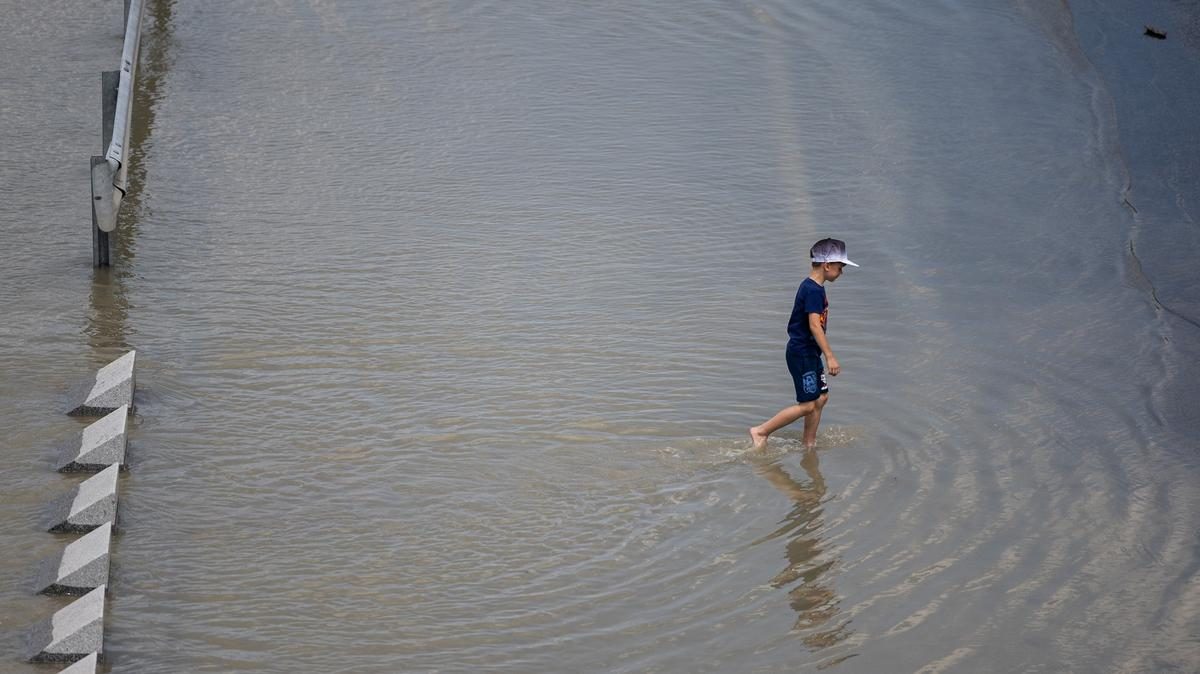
830, 250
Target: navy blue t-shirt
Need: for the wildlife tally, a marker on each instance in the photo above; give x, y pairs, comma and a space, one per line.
810, 299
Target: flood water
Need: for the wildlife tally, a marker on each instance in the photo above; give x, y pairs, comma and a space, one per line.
452, 316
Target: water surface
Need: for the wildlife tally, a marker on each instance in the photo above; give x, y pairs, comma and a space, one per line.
451, 318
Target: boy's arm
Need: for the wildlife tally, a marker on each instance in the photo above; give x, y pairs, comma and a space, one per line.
814, 326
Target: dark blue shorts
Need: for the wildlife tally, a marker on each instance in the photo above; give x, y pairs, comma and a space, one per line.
808, 374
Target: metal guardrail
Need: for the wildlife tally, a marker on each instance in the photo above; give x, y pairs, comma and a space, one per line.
110, 172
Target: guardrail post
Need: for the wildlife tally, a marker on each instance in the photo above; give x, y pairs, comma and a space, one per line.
101, 243
110, 80
109, 181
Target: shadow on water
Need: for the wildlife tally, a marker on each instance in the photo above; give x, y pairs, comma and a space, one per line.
811, 595
109, 306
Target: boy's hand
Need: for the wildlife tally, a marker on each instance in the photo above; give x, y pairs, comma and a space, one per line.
834, 366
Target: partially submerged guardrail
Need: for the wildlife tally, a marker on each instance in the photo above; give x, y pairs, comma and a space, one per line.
110, 172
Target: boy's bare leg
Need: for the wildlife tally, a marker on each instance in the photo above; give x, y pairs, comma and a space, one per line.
812, 420
785, 416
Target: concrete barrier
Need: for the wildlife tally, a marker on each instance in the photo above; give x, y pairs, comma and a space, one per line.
111, 388
71, 634
84, 666
99, 445
91, 505
82, 566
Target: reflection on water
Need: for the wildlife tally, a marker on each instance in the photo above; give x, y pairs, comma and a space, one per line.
108, 313
811, 596
153, 66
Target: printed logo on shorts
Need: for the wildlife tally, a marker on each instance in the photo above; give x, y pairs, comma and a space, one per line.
810, 382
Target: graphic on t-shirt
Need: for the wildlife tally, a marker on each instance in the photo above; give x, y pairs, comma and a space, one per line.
810, 299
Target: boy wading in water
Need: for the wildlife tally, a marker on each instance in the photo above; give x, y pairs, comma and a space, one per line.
806, 344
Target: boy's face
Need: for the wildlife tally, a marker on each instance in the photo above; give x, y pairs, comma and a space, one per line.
833, 270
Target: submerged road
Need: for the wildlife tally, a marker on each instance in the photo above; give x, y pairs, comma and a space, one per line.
451, 318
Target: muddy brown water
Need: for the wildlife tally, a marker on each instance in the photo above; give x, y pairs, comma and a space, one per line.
452, 316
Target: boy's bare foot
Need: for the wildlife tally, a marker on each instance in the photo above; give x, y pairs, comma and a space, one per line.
759, 440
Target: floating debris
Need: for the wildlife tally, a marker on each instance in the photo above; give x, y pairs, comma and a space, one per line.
1156, 33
